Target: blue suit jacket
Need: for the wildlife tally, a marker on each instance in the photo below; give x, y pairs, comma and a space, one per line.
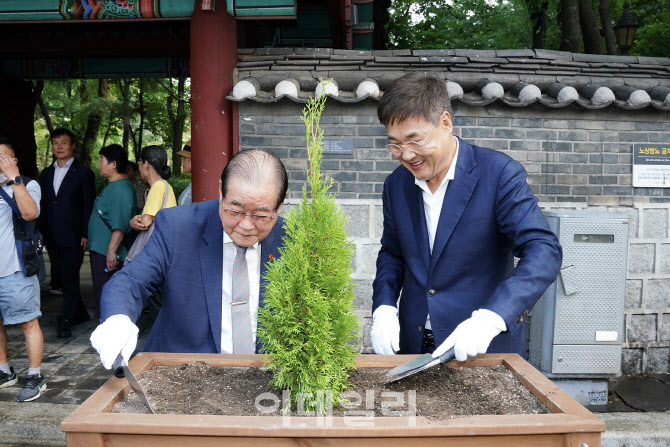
184, 255
489, 215
64, 216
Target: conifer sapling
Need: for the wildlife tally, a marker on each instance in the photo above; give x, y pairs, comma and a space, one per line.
306, 325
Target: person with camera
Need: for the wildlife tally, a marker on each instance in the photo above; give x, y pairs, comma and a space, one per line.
19, 286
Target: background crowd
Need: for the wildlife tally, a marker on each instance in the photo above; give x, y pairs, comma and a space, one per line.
61, 211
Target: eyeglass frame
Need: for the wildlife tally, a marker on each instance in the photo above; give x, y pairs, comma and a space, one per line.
404, 146
240, 215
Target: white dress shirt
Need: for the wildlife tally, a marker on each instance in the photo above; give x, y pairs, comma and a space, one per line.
432, 204
59, 173
254, 271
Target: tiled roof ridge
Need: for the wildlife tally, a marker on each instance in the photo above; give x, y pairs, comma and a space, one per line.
475, 77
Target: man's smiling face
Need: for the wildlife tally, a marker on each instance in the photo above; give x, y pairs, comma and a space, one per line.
432, 162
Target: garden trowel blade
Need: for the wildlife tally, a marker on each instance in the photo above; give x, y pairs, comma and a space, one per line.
418, 364
135, 385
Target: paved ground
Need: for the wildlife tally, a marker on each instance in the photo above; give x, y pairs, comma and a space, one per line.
639, 414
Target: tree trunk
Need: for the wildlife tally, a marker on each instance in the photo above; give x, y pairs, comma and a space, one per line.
537, 11
109, 126
125, 92
588, 22
177, 122
142, 114
38, 88
608, 31
570, 38
93, 123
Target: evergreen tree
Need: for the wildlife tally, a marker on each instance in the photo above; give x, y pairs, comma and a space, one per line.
306, 324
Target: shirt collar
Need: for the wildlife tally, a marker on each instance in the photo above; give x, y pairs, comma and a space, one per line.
66, 165
228, 240
451, 172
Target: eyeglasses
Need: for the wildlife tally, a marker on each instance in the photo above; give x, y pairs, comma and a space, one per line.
414, 146
239, 215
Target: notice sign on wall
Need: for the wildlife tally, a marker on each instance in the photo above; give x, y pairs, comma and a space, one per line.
651, 165
338, 145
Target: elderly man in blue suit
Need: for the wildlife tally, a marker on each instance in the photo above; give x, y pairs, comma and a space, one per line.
455, 216
196, 253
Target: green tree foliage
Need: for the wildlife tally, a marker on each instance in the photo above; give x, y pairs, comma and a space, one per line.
477, 24
71, 103
653, 35
306, 324
505, 24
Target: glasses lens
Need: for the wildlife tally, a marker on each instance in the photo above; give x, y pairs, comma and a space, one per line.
234, 214
260, 218
413, 146
395, 149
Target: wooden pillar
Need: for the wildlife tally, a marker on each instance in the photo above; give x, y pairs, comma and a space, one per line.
213, 59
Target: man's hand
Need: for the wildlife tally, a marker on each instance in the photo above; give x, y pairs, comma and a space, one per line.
9, 166
473, 336
116, 335
84, 244
385, 332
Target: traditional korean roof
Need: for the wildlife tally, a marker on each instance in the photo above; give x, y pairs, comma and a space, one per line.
517, 78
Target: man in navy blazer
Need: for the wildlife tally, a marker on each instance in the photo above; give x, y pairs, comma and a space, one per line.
190, 255
455, 217
68, 193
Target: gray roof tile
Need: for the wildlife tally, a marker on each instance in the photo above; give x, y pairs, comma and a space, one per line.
436, 53
475, 53
515, 53
541, 68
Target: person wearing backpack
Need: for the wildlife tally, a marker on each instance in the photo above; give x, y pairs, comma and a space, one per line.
110, 220
19, 286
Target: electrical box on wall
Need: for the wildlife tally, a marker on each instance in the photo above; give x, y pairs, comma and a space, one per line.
576, 328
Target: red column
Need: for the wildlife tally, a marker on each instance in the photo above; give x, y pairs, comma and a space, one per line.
213, 59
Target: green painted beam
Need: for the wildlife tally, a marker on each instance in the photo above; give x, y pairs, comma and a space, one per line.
87, 68
265, 12
261, 8
109, 9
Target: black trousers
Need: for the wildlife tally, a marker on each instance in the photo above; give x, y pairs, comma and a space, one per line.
65, 265
99, 276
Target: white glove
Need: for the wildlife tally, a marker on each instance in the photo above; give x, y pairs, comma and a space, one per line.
385, 332
116, 335
473, 336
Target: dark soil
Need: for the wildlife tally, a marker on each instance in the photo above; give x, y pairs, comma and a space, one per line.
441, 392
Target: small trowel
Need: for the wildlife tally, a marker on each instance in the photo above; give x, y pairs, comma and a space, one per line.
120, 370
418, 364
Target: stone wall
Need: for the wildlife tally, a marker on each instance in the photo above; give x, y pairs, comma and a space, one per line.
576, 159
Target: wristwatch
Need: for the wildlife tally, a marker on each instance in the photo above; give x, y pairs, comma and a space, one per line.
16, 181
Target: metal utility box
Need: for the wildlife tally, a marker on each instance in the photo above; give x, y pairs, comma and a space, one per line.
576, 328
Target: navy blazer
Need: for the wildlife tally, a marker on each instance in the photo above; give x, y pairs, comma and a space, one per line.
64, 217
488, 217
184, 255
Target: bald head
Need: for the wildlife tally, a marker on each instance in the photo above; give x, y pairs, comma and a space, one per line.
258, 168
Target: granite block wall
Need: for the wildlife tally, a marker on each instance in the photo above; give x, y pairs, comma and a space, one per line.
575, 159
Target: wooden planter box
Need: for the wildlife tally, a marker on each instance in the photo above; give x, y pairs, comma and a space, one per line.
569, 424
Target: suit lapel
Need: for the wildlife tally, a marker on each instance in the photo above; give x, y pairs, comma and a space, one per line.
418, 215
211, 264
269, 251
456, 199
48, 186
